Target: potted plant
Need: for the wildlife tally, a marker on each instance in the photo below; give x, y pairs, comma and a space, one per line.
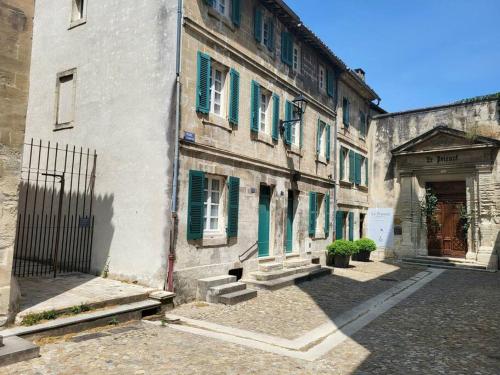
339, 253
364, 247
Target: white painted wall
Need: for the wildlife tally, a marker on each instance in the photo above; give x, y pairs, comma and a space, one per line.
124, 56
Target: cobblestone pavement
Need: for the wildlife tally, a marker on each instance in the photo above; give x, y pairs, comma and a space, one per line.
306, 305
450, 326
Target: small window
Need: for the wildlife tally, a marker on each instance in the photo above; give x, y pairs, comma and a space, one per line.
362, 124
344, 164
321, 78
264, 112
222, 7
218, 89
78, 12
322, 139
65, 96
296, 58
266, 32
346, 112
320, 215
213, 216
295, 129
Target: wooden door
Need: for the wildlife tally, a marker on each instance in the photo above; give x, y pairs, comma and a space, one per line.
445, 236
264, 219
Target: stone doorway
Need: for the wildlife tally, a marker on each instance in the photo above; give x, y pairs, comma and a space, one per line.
445, 231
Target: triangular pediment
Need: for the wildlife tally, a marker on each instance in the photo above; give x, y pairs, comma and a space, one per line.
443, 138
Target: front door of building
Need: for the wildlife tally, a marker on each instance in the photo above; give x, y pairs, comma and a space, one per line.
445, 231
264, 216
289, 223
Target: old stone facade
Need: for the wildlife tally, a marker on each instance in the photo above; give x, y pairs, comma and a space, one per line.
453, 146
16, 23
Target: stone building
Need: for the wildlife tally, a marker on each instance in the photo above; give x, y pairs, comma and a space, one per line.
450, 152
16, 24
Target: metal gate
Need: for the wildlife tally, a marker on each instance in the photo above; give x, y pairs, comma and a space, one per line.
55, 225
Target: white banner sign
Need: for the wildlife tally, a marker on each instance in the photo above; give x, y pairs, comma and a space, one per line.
380, 226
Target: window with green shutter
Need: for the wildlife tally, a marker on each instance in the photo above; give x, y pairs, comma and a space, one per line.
234, 97
328, 146
327, 215
312, 213
254, 107
236, 12
346, 112
362, 124
270, 40
203, 84
357, 168
257, 24
288, 125
352, 166
276, 117
330, 83
195, 205
287, 48
339, 225
319, 131
351, 226
342, 154
233, 206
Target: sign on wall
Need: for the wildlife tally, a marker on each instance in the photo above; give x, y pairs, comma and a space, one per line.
380, 226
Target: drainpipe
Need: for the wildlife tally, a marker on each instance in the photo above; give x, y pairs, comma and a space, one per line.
175, 183
335, 157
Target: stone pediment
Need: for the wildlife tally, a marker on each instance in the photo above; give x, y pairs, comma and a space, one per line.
442, 138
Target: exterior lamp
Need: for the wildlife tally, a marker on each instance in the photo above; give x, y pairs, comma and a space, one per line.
300, 105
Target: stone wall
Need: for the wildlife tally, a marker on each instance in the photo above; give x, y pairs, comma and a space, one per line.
15, 48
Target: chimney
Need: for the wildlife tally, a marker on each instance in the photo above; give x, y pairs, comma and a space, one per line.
360, 72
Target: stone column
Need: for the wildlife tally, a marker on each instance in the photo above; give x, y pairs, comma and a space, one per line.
488, 228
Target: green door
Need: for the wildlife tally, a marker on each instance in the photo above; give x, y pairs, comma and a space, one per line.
264, 202
289, 223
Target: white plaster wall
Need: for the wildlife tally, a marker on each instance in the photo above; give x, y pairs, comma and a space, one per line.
124, 108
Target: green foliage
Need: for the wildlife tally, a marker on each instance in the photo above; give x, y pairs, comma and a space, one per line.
32, 319
113, 322
342, 247
465, 220
80, 309
365, 244
428, 204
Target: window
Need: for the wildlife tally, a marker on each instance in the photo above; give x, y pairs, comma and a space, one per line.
65, 92
362, 172
343, 164
264, 115
78, 12
296, 58
263, 28
321, 146
319, 215
362, 124
321, 78
212, 210
222, 7
217, 89
295, 128
266, 32
346, 108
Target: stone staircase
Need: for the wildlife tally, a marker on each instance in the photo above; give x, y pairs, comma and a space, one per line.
273, 276
446, 263
224, 289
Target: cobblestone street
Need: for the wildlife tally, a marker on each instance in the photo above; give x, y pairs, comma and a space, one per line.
449, 326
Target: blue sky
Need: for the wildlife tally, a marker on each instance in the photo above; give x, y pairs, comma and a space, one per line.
415, 53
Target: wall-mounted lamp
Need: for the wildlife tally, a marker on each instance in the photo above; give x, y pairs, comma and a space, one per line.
300, 105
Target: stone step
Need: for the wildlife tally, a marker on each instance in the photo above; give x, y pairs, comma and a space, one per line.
266, 276
237, 297
445, 264
294, 263
443, 259
267, 267
16, 349
216, 291
205, 284
283, 282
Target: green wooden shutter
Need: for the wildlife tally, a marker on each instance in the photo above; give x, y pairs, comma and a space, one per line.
357, 168
318, 138
236, 12
270, 43
351, 226
328, 136
286, 48
341, 163
203, 85
339, 225
234, 97
195, 205
312, 213
254, 107
288, 125
345, 112
366, 171
352, 166
362, 123
330, 82
327, 215
276, 117
257, 24
233, 206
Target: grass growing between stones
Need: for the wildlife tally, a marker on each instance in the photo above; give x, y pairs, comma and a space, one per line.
35, 318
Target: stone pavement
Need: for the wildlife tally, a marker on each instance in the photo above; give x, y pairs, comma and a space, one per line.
449, 326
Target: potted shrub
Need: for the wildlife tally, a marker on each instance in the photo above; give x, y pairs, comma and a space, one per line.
339, 253
364, 247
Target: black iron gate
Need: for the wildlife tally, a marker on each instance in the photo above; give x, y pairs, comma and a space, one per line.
55, 225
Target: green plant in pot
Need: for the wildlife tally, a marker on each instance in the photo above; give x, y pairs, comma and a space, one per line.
339, 253
364, 247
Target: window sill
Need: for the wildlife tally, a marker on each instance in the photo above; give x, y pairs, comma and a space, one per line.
362, 139
226, 21
220, 122
321, 160
319, 237
263, 138
77, 23
268, 258
345, 183
212, 240
67, 125
363, 188
294, 150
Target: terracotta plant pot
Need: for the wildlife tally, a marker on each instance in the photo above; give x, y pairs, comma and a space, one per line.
362, 256
341, 261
